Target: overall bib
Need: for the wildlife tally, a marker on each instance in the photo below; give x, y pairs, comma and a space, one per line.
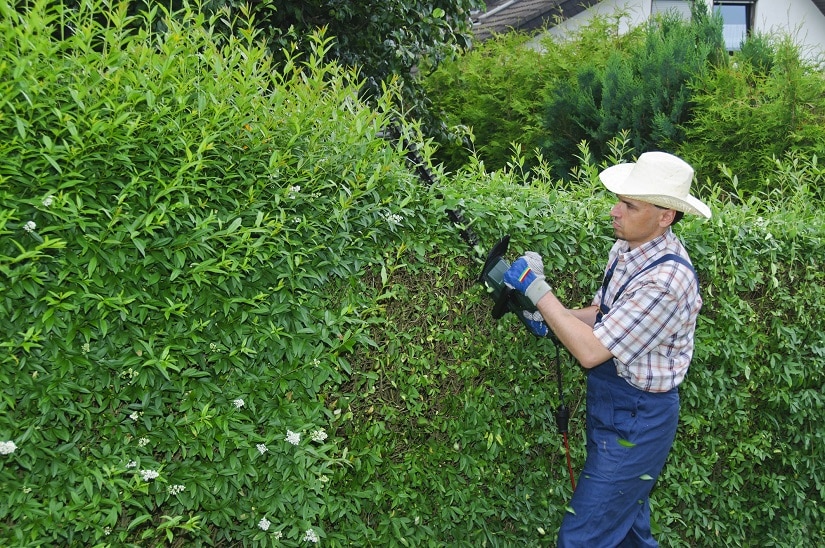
629, 435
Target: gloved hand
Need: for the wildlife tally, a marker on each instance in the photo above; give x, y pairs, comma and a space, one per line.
535, 323
526, 275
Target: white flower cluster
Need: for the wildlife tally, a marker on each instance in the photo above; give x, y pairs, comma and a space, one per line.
132, 464
319, 435
47, 201
175, 490
238, 403
7, 447
262, 448
30, 226
293, 437
148, 474
394, 219
311, 536
143, 442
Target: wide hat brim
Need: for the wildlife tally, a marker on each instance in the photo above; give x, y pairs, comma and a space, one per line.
668, 187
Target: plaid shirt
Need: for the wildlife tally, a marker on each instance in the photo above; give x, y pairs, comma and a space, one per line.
649, 328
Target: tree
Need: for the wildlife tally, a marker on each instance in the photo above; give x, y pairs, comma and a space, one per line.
384, 39
643, 90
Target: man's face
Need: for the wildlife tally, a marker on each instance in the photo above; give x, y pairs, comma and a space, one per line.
639, 222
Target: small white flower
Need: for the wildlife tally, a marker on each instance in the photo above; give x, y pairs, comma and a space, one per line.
107, 531
293, 437
47, 201
264, 524
238, 403
148, 474
85, 348
7, 447
143, 442
29, 226
175, 490
134, 415
278, 535
311, 536
132, 464
294, 189
318, 435
213, 347
262, 448
27, 490
324, 479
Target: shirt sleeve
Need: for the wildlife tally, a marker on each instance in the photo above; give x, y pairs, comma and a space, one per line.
642, 319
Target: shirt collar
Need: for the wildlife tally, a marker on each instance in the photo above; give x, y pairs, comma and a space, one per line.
643, 253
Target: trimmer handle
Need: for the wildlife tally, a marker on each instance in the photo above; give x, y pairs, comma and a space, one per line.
502, 302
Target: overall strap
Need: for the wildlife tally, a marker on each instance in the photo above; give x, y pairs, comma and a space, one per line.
604, 309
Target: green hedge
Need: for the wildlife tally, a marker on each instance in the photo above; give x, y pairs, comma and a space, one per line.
184, 227
217, 271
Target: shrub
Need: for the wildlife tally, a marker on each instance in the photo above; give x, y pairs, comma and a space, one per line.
494, 92
184, 228
232, 317
643, 90
756, 110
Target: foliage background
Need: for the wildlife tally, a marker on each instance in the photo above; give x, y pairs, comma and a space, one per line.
210, 230
668, 85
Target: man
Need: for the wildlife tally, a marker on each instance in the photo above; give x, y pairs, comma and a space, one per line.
636, 342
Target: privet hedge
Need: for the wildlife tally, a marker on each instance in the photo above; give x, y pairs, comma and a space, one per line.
183, 231
232, 317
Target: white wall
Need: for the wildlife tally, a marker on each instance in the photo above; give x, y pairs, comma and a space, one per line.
800, 19
633, 12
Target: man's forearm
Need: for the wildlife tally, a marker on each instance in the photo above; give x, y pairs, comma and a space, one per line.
574, 328
587, 315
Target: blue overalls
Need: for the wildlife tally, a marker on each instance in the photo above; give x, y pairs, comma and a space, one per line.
629, 435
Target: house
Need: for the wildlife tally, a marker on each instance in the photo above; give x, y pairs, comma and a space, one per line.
803, 20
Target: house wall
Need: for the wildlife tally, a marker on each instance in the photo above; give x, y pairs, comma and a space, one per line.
800, 19
632, 12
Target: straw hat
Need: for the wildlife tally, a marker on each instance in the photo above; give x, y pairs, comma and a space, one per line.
657, 178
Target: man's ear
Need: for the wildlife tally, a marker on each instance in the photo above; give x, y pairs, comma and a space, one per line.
667, 217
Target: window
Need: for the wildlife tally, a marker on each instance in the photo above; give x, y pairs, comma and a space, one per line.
737, 18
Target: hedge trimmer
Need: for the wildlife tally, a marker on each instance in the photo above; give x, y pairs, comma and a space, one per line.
505, 299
